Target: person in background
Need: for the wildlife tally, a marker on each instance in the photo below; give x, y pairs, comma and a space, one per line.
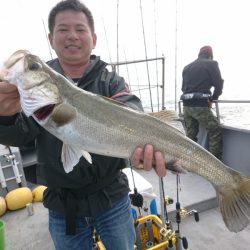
198, 78
90, 196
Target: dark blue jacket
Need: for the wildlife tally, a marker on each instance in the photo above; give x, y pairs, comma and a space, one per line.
94, 187
199, 77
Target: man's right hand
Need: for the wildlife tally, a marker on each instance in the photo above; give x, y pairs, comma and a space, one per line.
151, 159
9, 99
210, 102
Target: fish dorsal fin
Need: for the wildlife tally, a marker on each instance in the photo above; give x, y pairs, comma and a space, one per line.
170, 117
108, 99
71, 155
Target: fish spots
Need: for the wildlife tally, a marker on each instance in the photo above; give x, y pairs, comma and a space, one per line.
63, 114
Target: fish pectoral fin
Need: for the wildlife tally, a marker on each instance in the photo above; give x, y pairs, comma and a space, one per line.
87, 156
63, 114
71, 155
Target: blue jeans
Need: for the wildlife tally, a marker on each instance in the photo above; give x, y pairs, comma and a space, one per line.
115, 227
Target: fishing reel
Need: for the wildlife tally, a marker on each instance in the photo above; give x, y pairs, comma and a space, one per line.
181, 213
151, 232
184, 213
168, 201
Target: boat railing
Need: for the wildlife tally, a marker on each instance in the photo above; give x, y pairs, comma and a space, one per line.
150, 87
217, 108
230, 102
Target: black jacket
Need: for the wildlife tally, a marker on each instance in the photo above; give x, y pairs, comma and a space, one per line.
199, 77
95, 186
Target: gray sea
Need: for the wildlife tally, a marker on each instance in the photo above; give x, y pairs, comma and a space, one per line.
235, 114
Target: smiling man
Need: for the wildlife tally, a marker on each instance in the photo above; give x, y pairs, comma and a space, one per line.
91, 196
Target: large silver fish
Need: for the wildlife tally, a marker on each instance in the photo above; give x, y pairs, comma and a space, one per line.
88, 123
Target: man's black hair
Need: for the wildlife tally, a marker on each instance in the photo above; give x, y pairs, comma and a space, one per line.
74, 5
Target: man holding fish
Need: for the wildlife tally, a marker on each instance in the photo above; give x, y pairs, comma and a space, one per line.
94, 192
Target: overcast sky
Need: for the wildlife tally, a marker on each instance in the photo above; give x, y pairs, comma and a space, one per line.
223, 24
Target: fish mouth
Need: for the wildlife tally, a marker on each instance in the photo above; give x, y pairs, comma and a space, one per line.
44, 112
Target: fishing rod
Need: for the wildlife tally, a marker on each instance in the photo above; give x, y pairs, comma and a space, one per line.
138, 82
125, 56
176, 41
117, 34
181, 241
156, 53
182, 213
136, 198
47, 40
146, 56
106, 37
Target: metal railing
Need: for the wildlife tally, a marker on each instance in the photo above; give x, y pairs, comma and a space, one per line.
218, 102
161, 85
217, 106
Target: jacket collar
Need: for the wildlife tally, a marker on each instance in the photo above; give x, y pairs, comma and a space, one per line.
96, 65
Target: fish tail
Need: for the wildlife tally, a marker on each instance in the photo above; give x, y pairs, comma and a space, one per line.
234, 204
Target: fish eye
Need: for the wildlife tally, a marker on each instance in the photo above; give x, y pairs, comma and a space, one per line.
34, 66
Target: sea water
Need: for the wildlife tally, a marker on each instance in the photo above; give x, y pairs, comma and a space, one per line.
231, 113
235, 115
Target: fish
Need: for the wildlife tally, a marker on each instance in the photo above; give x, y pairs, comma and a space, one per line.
88, 123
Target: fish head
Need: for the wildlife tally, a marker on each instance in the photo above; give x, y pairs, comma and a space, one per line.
38, 91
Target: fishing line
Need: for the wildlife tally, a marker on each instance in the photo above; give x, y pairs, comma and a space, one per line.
146, 57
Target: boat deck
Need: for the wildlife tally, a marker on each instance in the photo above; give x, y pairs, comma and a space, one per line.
23, 232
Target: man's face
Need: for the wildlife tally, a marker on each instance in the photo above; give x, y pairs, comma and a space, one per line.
72, 38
